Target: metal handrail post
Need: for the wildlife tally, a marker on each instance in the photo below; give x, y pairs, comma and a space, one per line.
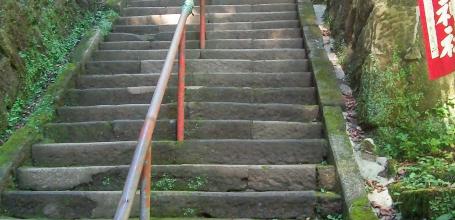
203, 28
146, 185
181, 90
145, 138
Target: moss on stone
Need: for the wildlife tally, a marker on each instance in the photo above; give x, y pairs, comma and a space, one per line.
415, 204
329, 93
334, 121
361, 210
351, 182
307, 14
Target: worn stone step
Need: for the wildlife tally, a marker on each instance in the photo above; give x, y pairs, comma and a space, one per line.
166, 3
157, 10
253, 80
102, 204
172, 15
245, 54
113, 37
128, 130
210, 44
199, 66
193, 111
136, 29
199, 177
142, 29
157, 19
112, 55
251, 16
235, 152
143, 95
169, 26
237, 34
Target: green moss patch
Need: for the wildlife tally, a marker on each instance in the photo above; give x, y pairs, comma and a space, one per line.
361, 210
424, 203
352, 183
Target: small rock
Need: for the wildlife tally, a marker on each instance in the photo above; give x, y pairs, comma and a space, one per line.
382, 198
346, 90
368, 145
368, 156
383, 161
370, 170
339, 73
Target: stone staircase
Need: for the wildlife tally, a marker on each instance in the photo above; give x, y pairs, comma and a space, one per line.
255, 144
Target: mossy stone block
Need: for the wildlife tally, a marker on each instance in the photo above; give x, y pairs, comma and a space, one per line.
329, 93
415, 204
351, 181
307, 13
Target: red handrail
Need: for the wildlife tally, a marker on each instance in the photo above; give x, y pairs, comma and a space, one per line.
181, 90
141, 165
202, 24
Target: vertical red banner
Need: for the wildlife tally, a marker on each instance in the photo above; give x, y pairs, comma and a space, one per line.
437, 18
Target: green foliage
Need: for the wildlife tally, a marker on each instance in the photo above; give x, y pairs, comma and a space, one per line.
197, 183
443, 207
384, 98
432, 134
165, 183
106, 181
327, 19
429, 172
334, 217
47, 55
189, 212
404, 131
341, 50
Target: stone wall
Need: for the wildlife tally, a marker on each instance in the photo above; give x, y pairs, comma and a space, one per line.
384, 37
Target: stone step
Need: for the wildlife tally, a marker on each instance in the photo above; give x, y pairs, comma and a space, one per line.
210, 44
143, 95
154, 10
253, 80
242, 54
198, 66
102, 204
199, 177
251, 16
114, 37
193, 111
136, 29
234, 152
160, 19
166, 3
128, 130
135, 24
122, 55
146, 28
237, 34
172, 18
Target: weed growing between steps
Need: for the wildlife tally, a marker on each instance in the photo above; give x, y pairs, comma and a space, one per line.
169, 183
46, 60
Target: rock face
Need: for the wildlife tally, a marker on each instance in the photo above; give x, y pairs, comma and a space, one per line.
384, 37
